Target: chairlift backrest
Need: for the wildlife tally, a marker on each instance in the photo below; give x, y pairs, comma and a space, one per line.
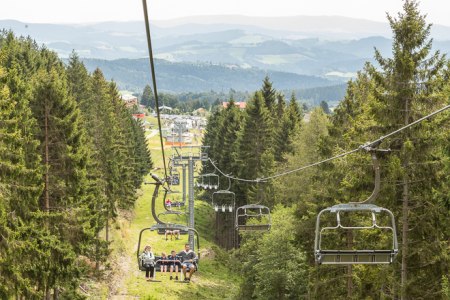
208, 181
253, 217
352, 256
224, 199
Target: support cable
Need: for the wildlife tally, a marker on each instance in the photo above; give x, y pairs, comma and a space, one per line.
367, 146
155, 90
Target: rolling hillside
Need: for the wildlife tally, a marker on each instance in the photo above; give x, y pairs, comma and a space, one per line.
133, 74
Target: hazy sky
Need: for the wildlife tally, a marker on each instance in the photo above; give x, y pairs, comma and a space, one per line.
82, 11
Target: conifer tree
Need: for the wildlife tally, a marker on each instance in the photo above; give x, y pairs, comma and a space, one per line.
269, 95
295, 111
256, 150
408, 86
79, 86
211, 138
228, 134
19, 187
147, 97
281, 107
64, 161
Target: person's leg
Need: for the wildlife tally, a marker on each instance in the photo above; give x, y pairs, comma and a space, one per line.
147, 271
152, 271
171, 272
176, 272
191, 271
184, 271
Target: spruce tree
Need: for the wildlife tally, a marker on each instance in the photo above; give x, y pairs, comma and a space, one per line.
256, 151
281, 107
269, 95
407, 87
147, 97
64, 162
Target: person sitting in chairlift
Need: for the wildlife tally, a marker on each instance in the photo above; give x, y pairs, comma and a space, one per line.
168, 204
164, 263
174, 264
148, 262
176, 233
168, 232
188, 259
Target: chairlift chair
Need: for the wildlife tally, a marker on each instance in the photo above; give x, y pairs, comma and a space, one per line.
351, 256
158, 227
174, 178
223, 201
253, 217
208, 181
357, 256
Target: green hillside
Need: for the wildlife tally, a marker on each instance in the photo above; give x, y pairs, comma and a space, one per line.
133, 75
213, 280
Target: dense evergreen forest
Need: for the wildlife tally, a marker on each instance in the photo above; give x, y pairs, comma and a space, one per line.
270, 137
71, 156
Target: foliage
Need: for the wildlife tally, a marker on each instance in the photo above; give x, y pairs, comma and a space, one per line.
272, 265
53, 193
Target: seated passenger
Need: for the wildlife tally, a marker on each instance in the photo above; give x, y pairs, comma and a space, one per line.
168, 204
188, 259
168, 232
148, 262
175, 233
163, 263
174, 263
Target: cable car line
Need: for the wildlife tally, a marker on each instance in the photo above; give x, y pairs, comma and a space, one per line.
155, 90
366, 147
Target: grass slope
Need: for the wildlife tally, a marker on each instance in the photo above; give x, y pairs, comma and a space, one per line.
212, 281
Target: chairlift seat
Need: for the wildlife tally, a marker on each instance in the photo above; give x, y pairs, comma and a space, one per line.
351, 256
346, 257
208, 181
251, 211
171, 212
223, 199
254, 227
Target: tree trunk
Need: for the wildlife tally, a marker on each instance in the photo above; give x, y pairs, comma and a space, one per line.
47, 166
349, 267
97, 254
107, 229
47, 293
405, 212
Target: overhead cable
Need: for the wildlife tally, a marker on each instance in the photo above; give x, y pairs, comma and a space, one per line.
366, 146
155, 90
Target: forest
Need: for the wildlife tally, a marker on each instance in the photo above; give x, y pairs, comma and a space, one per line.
73, 160
71, 157
271, 137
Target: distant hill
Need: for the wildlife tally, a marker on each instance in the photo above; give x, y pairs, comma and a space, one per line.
134, 74
306, 45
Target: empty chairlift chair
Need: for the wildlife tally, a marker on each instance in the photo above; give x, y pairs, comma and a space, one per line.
352, 219
382, 255
253, 217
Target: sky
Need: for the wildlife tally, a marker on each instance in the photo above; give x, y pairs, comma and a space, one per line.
90, 11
